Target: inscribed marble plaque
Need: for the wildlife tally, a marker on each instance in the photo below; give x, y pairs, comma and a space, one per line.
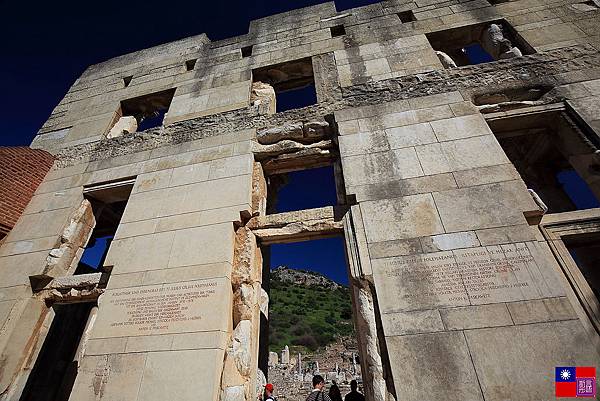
471, 276
201, 305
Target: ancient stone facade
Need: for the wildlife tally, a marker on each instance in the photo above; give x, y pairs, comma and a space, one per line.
463, 287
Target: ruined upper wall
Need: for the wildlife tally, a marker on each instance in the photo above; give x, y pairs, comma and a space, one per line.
376, 46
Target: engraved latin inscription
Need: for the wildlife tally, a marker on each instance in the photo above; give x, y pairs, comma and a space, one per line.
463, 277
161, 309
158, 308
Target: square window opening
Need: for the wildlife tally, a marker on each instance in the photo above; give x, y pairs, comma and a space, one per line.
310, 308
190, 64
127, 81
337, 30
142, 112
247, 51
548, 151
407, 16
293, 83
302, 189
479, 43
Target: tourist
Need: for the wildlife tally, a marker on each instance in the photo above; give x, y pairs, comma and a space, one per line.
269, 393
317, 393
354, 395
335, 393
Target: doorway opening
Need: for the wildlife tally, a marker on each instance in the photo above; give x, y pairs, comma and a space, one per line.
53, 375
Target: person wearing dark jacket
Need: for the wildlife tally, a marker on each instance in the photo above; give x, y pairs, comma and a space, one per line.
335, 393
354, 395
317, 394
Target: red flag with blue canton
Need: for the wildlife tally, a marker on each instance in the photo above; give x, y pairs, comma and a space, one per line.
575, 381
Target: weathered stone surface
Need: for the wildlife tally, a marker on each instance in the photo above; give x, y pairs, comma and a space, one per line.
496, 352
125, 125
443, 358
263, 96
419, 211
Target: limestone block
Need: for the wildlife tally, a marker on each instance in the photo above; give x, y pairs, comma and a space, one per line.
386, 249
410, 135
263, 96
542, 310
217, 245
54, 200
181, 375
486, 175
446, 242
408, 186
461, 154
291, 131
30, 264
235, 393
146, 252
190, 174
442, 358
273, 358
231, 166
460, 127
245, 302
362, 143
480, 316
418, 213
110, 377
485, 206
125, 125
38, 225
241, 345
246, 269
533, 347
380, 167
152, 181
505, 235
415, 322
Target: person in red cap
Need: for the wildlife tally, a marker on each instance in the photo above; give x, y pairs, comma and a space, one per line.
269, 393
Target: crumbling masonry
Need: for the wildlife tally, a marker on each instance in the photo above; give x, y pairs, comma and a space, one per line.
459, 239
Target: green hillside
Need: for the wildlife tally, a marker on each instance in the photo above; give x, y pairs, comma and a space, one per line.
307, 317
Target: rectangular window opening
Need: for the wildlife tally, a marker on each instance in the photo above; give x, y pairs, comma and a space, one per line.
293, 83
310, 326
127, 81
407, 16
300, 190
337, 30
549, 152
247, 51
190, 64
473, 44
141, 113
55, 369
108, 205
585, 251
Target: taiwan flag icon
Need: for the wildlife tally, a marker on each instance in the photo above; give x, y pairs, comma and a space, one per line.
571, 381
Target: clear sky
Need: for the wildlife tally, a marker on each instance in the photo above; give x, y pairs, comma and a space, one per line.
46, 45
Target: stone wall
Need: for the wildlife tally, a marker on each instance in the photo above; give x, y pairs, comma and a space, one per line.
453, 281
21, 171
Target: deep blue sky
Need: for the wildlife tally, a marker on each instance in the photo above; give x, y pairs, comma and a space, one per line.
46, 45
